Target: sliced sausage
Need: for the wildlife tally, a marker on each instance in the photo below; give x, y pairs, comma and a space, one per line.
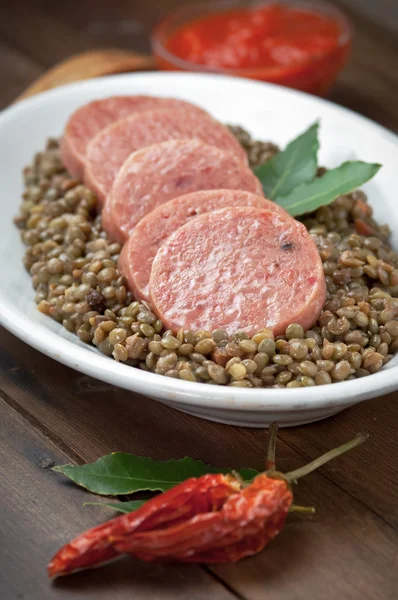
161, 172
88, 120
240, 269
113, 145
152, 231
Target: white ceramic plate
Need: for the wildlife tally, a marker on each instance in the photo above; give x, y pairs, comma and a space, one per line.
269, 112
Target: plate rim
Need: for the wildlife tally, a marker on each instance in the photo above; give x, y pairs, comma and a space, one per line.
21, 104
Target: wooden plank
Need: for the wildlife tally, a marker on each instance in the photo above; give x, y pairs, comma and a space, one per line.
359, 476
16, 70
44, 39
40, 513
383, 11
127, 25
67, 31
349, 544
369, 83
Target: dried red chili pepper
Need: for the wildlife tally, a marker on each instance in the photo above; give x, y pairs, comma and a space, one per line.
179, 504
243, 526
212, 519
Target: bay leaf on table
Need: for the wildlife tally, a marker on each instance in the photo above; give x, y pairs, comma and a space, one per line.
121, 473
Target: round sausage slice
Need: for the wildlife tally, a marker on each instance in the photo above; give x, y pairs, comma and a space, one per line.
239, 269
161, 172
152, 231
88, 120
109, 149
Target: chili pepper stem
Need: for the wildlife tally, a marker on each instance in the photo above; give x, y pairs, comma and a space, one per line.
302, 509
271, 448
318, 462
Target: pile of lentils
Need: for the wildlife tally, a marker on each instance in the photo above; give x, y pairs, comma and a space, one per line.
75, 276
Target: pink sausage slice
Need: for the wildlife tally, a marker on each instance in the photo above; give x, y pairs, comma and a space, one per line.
240, 269
152, 231
88, 120
161, 172
109, 149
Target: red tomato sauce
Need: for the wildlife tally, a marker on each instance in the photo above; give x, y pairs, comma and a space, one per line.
273, 42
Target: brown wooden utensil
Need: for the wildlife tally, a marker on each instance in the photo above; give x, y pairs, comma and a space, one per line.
86, 65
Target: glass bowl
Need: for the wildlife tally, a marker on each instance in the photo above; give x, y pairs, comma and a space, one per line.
315, 76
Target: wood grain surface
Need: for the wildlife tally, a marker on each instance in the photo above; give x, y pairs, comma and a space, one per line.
49, 413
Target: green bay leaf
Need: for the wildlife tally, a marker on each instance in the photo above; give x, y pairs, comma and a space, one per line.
120, 473
307, 197
123, 507
295, 165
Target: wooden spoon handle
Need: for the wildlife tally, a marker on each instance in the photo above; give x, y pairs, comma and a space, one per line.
89, 64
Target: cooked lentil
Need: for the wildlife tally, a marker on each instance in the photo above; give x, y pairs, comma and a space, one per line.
77, 283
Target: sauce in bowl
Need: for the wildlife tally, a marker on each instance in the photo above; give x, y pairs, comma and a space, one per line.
293, 44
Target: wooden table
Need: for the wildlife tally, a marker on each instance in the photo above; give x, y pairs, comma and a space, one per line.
49, 413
